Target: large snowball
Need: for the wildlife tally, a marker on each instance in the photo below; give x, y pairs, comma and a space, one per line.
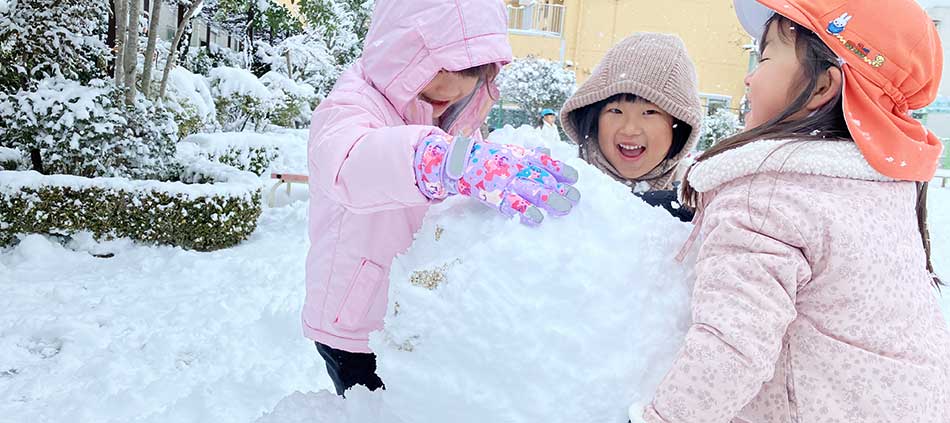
492, 321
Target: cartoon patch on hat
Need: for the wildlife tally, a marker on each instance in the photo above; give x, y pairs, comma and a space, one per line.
837, 26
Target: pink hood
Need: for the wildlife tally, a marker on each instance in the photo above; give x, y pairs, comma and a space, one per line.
410, 41
364, 204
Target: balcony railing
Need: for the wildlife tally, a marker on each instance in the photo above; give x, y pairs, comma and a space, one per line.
537, 19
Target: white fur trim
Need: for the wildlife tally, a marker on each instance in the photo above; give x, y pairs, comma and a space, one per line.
837, 159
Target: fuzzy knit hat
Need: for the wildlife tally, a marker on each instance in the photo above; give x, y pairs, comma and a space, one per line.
651, 66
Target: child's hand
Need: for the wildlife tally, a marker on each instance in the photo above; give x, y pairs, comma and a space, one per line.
510, 178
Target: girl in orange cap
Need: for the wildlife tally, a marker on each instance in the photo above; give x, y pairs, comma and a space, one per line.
814, 298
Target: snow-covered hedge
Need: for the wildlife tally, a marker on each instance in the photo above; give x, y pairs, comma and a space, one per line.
534, 84
246, 151
87, 130
213, 207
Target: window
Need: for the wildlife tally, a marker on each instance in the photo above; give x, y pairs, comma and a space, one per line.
714, 102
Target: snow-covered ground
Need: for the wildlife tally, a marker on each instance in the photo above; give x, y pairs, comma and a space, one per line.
159, 334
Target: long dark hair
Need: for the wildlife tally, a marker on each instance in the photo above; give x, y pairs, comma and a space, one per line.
826, 123
587, 118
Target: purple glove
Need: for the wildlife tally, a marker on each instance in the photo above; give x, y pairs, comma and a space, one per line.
509, 178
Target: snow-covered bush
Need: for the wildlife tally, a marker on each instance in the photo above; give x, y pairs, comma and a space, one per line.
240, 99
189, 98
244, 101
535, 84
12, 159
257, 153
310, 60
719, 125
87, 130
45, 38
201, 216
202, 60
295, 101
249, 152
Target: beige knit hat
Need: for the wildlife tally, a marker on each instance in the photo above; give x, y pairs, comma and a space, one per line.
656, 68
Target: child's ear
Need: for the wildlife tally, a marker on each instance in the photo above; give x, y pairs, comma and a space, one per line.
828, 87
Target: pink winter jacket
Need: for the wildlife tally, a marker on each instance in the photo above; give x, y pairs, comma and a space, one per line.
812, 302
364, 204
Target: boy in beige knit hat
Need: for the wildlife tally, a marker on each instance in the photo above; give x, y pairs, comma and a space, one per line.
638, 115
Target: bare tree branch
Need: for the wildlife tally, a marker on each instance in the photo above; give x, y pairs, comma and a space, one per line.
153, 19
173, 52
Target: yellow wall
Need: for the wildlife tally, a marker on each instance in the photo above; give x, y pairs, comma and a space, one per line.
709, 28
292, 5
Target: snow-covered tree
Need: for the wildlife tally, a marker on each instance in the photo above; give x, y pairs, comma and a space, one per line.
343, 24
721, 124
304, 58
535, 84
46, 38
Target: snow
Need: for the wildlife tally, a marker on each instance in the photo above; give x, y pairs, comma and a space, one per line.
279, 82
10, 154
160, 334
226, 81
187, 88
155, 334
290, 143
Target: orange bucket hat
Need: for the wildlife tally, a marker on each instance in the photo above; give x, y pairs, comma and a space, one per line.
892, 63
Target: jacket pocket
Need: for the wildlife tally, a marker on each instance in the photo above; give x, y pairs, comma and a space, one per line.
359, 296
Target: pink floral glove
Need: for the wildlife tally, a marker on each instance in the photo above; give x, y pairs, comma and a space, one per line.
509, 178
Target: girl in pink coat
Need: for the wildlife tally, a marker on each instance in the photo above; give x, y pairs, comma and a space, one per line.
815, 296
398, 132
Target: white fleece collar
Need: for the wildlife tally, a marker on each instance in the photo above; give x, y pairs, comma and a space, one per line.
838, 159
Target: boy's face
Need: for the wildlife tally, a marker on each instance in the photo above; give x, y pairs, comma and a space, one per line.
634, 137
550, 119
771, 83
446, 89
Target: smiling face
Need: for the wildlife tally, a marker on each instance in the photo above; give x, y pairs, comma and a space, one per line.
446, 89
635, 137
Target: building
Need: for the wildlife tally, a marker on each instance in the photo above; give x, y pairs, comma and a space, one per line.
579, 33
202, 32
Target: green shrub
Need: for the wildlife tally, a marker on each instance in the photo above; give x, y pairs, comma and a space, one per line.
145, 211
87, 130
254, 159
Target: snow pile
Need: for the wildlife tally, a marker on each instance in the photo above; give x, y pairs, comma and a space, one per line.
490, 320
531, 137
155, 334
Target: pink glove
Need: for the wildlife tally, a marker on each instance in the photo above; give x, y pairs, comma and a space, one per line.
509, 178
